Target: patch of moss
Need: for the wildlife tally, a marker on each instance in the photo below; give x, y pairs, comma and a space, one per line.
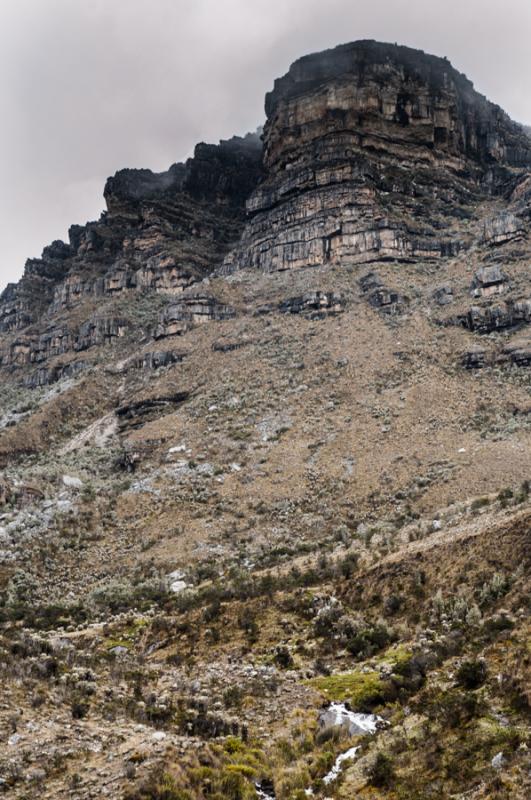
398, 657
126, 636
363, 690
111, 643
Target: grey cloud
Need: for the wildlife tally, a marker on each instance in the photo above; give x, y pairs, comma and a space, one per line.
89, 88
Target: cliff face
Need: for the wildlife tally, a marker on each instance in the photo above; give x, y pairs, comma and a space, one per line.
374, 151
265, 445
160, 232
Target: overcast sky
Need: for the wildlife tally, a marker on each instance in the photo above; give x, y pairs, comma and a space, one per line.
89, 87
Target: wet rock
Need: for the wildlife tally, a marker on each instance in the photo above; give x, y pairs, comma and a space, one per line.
339, 715
334, 773
265, 790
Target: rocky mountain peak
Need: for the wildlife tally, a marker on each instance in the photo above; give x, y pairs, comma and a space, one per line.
374, 151
225, 173
371, 84
265, 454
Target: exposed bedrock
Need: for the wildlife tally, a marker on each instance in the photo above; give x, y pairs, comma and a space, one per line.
194, 309
381, 297
503, 228
314, 304
376, 152
516, 353
137, 412
488, 319
44, 376
488, 281
61, 339
160, 232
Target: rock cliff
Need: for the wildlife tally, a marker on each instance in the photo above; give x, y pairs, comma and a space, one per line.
376, 152
265, 453
160, 232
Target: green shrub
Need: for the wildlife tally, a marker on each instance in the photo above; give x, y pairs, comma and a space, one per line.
471, 674
479, 502
381, 773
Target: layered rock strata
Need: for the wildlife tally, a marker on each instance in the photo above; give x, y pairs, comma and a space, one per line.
195, 309
495, 318
160, 232
376, 152
62, 339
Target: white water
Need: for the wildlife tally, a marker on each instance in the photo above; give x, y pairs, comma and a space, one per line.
337, 714
262, 795
336, 769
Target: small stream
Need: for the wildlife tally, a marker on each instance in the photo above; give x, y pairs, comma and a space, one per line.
336, 769
337, 714
334, 716
264, 791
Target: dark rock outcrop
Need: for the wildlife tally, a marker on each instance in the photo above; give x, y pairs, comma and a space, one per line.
488, 281
444, 295
489, 319
45, 376
138, 412
381, 297
518, 352
370, 151
100, 330
316, 305
474, 358
194, 309
158, 359
160, 232
61, 339
502, 229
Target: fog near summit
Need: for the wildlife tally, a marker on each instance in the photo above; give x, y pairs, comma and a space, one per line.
90, 88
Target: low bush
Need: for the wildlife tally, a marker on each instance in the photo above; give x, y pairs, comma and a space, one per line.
471, 674
381, 773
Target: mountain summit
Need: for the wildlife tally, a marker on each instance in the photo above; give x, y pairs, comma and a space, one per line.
265, 452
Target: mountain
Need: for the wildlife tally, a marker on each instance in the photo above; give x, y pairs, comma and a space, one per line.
265, 452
